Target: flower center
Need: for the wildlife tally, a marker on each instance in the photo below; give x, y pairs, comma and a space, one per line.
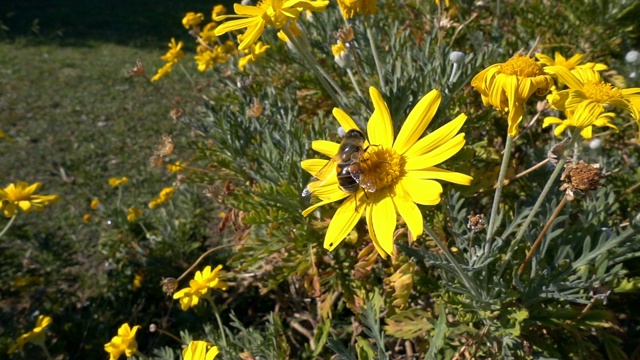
523, 66
381, 168
601, 91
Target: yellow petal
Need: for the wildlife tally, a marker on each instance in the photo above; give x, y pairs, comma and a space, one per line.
252, 34
409, 212
383, 215
233, 25
424, 192
565, 76
345, 120
344, 220
372, 235
436, 138
328, 148
441, 174
417, 121
515, 116
380, 126
25, 205
586, 113
438, 155
551, 120
313, 166
587, 133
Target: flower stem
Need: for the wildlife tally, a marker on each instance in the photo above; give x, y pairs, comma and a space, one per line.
216, 312
493, 218
353, 80
141, 355
464, 277
374, 51
536, 206
46, 351
193, 266
6, 227
538, 241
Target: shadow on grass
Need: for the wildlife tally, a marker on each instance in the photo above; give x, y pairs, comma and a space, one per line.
140, 23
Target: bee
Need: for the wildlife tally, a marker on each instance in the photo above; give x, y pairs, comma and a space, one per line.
347, 164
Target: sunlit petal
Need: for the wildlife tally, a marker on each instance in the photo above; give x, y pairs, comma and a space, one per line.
417, 121
344, 220
380, 127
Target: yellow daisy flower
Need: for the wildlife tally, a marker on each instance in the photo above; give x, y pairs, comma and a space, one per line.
21, 196
397, 174
94, 204
208, 34
507, 86
192, 20
276, 13
123, 343
588, 96
572, 63
586, 126
256, 52
218, 10
133, 213
200, 285
115, 182
35, 336
350, 8
165, 195
175, 52
200, 350
162, 72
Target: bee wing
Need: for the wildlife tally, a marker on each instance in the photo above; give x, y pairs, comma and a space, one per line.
324, 175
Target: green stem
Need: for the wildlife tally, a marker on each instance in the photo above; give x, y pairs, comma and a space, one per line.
464, 277
374, 51
493, 218
13, 218
559, 167
141, 355
46, 352
327, 82
216, 312
353, 80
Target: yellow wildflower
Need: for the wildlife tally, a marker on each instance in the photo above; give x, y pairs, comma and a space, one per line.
507, 86
176, 167
133, 213
86, 218
123, 343
208, 34
256, 51
21, 196
162, 72
572, 63
588, 96
276, 13
586, 126
192, 20
175, 52
200, 285
115, 182
35, 336
218, 10
137, 281
200, 350
351, 7
397, 174
165, 195
94, 204
207, 59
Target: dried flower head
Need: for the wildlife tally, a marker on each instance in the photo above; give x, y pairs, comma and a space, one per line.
164, 146
582, 177
137, 70
345, 34
256, 109
176, 114
169, 285
476, 222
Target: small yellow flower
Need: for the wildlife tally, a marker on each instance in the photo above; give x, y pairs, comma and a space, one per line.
586, 125
2, 134
218, 10
133, 213
176, 167
507, 86
86, 218
94, 204
123, 343
397, 174
200, 285
175, 52
200, 350
162, 72
256, 51
21, 196
341, 54
192, 20
276, 13
350, 8
137, 281
207, 59
208, 34
115, 182
165, 195
35, 336
572, 63
588, 96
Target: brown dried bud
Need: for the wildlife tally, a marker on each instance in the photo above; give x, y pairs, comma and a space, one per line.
256, 109
366, 260
155, 160
137, 70
582, 177
169, 285
246, 355
176, 114
557, 150
164, 146
476, 222
345, 34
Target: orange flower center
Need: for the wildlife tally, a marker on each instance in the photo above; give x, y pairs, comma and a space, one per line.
601, 91
381, 168
523, 66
